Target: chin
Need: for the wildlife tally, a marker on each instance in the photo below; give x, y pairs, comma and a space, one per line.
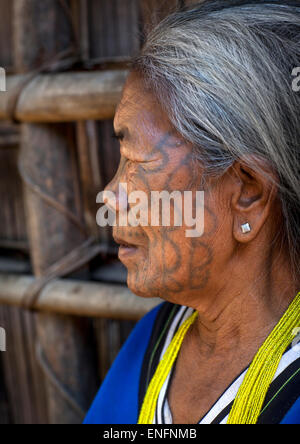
141, 289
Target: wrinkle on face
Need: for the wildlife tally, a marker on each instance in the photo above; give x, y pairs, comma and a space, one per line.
155, 157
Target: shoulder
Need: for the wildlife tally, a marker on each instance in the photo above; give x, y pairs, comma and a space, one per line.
117, 399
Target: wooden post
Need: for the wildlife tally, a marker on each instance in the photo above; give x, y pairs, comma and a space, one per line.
54, 216
6, 50
22, 377
48, 165
40, 31
153, 11
91, 180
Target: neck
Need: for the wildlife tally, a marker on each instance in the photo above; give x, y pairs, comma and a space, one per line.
240, 317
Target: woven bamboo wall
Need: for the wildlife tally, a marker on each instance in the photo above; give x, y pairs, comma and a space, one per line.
41, 381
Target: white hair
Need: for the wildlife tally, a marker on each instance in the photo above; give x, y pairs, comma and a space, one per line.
222, 70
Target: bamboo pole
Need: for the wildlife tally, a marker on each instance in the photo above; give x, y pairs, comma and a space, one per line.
64, 97
79, 298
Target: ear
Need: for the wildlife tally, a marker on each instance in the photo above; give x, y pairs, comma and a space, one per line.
255, 190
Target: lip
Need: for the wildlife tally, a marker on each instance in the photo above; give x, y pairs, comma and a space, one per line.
125, 248
125, 252
123, 242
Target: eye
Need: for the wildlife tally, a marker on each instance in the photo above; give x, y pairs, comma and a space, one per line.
119, 136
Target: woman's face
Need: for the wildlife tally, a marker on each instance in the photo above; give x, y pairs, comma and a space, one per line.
163, 261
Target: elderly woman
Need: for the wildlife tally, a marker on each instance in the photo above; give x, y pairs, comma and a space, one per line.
211, 104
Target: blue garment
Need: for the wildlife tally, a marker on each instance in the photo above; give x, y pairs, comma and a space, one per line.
293, 415
117, 400
120, 397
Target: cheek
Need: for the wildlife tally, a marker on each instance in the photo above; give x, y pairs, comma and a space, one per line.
184, 262
171, 265
174, 264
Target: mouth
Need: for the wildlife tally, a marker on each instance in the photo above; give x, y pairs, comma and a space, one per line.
125, 248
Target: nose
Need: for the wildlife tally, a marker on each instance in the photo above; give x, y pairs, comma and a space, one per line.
115, 191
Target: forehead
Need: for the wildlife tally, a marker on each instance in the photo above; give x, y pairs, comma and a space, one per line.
139, 109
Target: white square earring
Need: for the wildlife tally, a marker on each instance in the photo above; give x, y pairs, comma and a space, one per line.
246, 228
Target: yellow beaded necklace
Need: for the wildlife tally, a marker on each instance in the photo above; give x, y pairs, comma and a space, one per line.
252, 392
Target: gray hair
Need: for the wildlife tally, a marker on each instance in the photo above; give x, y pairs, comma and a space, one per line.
222, 70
